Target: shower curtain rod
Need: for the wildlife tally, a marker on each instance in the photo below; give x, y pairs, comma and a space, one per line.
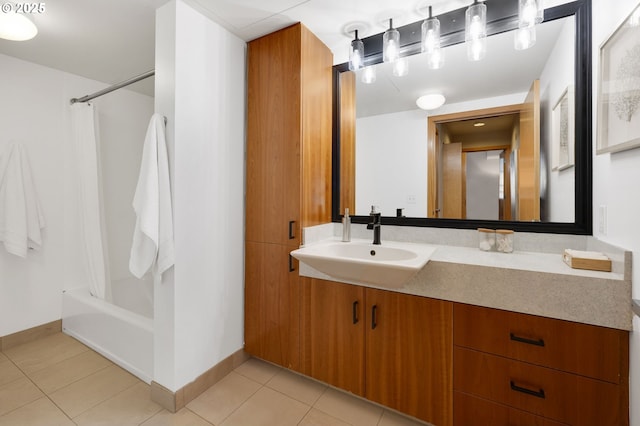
114, 87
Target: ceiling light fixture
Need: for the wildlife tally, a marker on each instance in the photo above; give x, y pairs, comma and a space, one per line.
368, 74
431, 42
429, 102
356, 54
475, 34
16, 26
391, 44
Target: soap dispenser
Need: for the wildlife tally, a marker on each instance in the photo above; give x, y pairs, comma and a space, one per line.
346, 226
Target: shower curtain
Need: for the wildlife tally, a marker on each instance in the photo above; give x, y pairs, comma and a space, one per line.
89, 189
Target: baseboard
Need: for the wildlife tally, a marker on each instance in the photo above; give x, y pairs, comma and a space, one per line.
29, 335
175, 401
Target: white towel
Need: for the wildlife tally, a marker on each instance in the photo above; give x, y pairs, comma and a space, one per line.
152, 247
21, 216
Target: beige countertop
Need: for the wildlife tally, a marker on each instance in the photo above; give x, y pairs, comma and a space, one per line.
527, 282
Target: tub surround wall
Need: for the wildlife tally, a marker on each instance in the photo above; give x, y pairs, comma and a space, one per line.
35, 111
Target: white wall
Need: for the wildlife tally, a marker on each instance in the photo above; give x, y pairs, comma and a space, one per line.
558, 204
34, 109
615, 185
205, 65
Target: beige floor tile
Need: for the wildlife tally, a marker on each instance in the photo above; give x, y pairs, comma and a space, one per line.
296, 386
389, 418
63, 373
317, 418
44, 352
8, 372
258, 370
41, 412
268, 408
220, 400
184, 417
128, 408
348, 408
85, 393
17, 393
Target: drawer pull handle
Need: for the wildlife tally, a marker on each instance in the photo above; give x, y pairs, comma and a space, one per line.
291, 267
291, 234
355, 312
535, 342
537, 394
374, 311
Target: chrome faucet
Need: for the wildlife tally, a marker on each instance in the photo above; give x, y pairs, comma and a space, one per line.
375, 224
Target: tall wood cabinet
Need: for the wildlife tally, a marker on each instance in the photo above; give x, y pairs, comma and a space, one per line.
288, 178
391, 348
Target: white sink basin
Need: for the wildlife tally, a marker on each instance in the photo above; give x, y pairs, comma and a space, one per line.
390, 264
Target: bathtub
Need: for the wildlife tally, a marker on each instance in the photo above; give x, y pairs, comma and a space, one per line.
125, 336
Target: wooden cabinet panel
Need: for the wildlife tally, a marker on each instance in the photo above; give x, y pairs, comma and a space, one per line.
408, 354
578, 348
332, 341
541, 391
271, 305
472, 411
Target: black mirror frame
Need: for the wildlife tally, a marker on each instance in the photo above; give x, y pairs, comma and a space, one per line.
499, 19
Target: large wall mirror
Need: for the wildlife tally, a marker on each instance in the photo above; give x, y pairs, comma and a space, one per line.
510, 148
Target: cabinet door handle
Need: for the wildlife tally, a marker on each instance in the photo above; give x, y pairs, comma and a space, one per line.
355, 312
535, 342
291, 234
374, 311
291, 267
537, 394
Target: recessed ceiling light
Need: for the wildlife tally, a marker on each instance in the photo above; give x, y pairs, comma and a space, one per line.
16, 26
428, 102
480, 124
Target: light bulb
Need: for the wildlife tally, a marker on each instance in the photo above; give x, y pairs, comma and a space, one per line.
368, 74
356, 54
390, 44
524, 38
401, 67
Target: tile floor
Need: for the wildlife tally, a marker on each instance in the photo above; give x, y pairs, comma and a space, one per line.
57, 381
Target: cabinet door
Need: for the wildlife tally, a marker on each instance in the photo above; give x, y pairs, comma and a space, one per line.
272, 327
333, 334
409, 355
273, 138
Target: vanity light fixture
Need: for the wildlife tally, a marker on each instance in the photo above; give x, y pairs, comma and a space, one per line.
524, 38
368, 74
391, 44
429, 102
401, 67
530, 12
431, 42
475, 34
356, 53
16, 26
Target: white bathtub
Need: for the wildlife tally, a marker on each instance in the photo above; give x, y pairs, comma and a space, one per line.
121, 335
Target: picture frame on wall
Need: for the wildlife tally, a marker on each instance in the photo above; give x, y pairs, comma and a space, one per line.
564, 132
619, 88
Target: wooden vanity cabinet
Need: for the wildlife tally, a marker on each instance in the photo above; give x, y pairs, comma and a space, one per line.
288, 181
391, 348
519, 369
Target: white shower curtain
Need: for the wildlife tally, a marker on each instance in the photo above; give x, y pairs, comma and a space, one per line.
86, 158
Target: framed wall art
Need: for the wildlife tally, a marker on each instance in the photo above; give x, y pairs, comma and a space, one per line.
619, 88
564, 132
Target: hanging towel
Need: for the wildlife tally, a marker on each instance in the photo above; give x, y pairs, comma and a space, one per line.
21, 216
152, 247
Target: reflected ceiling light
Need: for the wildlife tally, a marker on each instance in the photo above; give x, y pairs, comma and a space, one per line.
391, 44
475, 34
431, 42
356, 54
16, 26
368, 74
524, 38
401, 67
428, 102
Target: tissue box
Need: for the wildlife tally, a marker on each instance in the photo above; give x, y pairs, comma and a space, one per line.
590, 260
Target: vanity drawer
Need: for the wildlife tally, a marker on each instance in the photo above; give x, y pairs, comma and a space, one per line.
563, 397
469, 410
568, 346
